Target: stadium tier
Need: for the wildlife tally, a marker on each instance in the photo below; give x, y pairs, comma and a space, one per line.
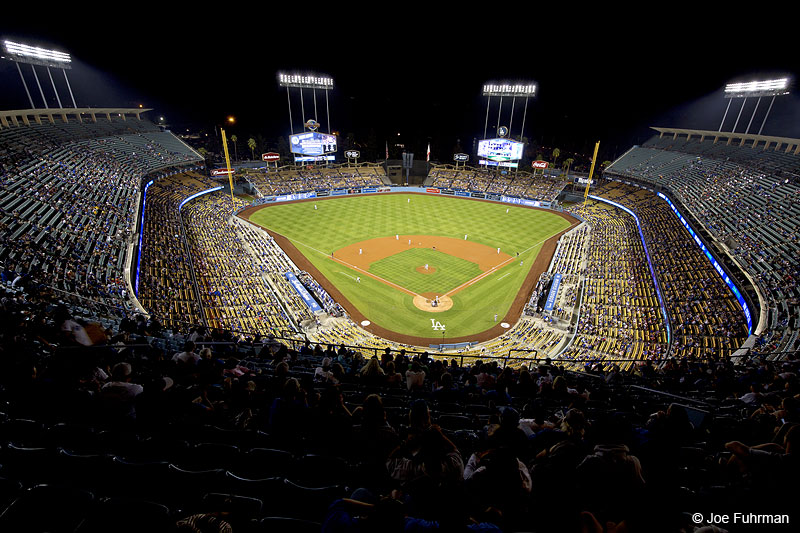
748, 200
168, 362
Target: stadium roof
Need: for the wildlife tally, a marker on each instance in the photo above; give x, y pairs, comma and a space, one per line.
786, 144
80, 114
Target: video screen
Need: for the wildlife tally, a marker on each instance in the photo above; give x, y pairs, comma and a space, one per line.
312, 143
500, 149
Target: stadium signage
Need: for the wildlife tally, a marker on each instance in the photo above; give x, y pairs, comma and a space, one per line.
302, 292
221, 171
460, 157
539, 164
551, 296
434, 191
447, 191
296, 196
369, 189
322, 193
462, 193
478, 195
384, 189
352, 154
270, 156
498, 164
520, 201
314, 159
338, 192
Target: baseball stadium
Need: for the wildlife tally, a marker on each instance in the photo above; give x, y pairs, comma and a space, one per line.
303, 338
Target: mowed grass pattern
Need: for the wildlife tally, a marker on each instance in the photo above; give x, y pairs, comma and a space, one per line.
338, 222
450, 272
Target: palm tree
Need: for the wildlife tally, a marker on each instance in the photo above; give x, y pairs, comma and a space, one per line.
251, 143
234, 138
556, 154
567, 163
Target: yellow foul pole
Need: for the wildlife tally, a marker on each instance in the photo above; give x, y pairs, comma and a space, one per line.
591, 173
228, 166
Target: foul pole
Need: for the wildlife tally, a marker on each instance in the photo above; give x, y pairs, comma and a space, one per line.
591, 173
228, 166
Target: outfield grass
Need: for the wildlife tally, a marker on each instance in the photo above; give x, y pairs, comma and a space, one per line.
338, 222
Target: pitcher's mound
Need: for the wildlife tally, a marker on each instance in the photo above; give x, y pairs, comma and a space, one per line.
425, 301
423, 270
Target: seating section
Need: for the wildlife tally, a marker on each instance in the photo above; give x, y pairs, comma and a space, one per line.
68, 204
707, 320
620, 316
286, 180
165, 285
192, 269
263, 436
519, 184
749, 200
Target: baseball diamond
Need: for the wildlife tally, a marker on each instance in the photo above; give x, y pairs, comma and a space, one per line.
406, 254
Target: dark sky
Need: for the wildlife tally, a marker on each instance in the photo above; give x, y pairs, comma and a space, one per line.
602, 76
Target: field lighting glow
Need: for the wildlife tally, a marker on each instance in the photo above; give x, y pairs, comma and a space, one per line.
509, 89
305, 81
757, 88
25, 53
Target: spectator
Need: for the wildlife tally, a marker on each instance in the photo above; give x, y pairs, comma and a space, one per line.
415, 377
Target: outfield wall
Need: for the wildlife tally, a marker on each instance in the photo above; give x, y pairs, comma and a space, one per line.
516, 200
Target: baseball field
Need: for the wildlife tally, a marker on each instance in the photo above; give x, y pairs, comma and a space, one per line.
420, 268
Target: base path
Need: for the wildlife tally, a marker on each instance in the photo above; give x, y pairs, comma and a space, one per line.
540, 265
362, 254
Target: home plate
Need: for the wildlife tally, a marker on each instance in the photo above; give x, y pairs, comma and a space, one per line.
505, 325
365, 323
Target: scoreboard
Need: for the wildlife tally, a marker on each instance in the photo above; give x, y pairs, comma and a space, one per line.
312, 144
500, 149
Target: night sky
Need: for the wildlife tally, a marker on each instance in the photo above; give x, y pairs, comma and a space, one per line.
602, 76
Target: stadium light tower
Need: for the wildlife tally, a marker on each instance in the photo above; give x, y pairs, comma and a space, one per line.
35, 56
503, 150
754, 89
514, 90
311, 145
306, 81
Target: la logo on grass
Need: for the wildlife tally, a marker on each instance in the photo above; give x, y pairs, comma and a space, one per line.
436, 325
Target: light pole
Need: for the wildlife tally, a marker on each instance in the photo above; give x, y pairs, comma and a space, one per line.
36, 56
754, 89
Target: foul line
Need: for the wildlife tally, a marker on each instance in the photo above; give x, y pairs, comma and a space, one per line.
386, 281
412, 293
490, 271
